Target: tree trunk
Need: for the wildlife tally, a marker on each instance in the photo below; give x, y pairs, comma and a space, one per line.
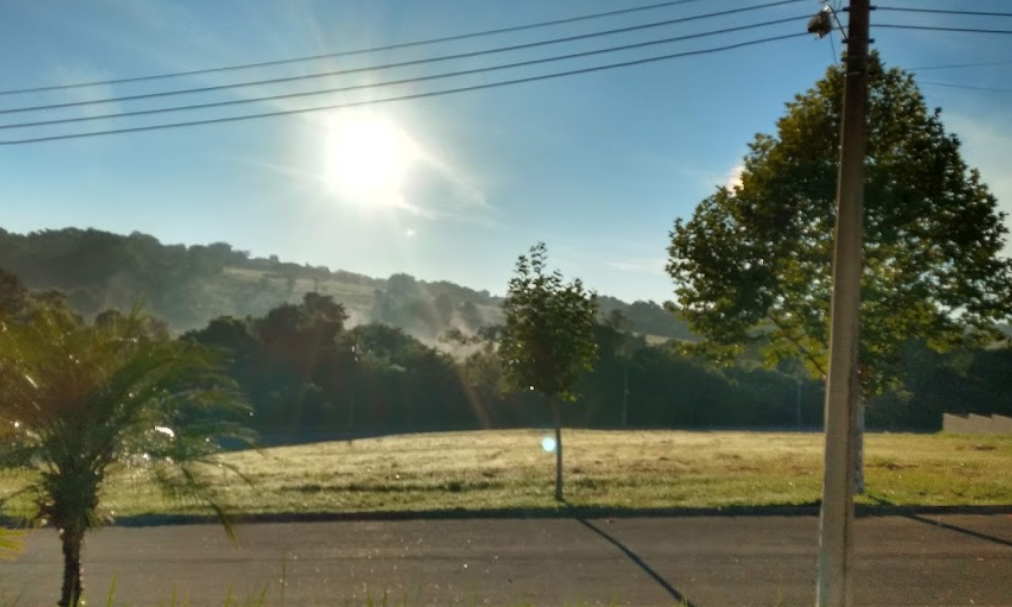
625, 395
557, 417
859, 450
797, 405
73, 586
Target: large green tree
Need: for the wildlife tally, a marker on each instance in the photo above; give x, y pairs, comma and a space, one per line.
79, 401
752, 266
548, 337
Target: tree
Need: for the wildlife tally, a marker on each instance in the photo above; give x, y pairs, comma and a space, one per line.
10, 540
548, 337
150, 327
84, 398
295, 344
444, 305
14, 297
234, 336
402, 286
623, 345
471, 315
752, 266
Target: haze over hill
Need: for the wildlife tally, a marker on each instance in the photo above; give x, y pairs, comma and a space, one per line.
306, 370
189, 285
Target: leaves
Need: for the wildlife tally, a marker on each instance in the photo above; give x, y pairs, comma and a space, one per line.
548, 338
79, 399
753, 265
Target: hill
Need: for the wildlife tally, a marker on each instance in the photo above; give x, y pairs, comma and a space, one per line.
190, 285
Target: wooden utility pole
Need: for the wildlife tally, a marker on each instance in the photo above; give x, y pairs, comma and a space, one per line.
842, 382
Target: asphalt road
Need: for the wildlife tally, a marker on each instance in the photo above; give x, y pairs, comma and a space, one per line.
708, 561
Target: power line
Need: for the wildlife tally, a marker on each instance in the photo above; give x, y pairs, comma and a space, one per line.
966, 86
942, 11
413, 80
832, 49
515, 47
957, 65
429, 94
934, 28
364, 51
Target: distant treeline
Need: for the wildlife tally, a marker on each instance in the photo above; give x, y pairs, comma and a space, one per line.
307, 369
187, 286
305, 372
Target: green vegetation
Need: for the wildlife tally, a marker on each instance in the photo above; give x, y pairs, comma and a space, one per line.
104, 412
496, 470
752, 266
309, 376
81, 400
548, 339
10, 543
188, 286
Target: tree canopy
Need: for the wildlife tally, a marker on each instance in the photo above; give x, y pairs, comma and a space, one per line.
548, 337
753, 263
80, 399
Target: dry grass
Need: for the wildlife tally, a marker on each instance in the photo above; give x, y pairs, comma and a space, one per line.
657, 340
357, 297
353, 294
613, 469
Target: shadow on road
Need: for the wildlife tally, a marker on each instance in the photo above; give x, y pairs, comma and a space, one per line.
927, 521
675, 594
958, 529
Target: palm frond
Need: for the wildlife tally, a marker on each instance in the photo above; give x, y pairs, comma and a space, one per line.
78, 400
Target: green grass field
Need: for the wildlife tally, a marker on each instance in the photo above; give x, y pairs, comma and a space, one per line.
607, 469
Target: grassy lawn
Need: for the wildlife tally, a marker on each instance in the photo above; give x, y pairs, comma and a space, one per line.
614, 469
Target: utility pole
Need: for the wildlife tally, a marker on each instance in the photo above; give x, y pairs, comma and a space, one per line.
842, 382
797, 405
625, 395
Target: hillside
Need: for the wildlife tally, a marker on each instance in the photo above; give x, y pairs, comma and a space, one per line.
190, 285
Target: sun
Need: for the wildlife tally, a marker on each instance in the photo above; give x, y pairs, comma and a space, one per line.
366, 158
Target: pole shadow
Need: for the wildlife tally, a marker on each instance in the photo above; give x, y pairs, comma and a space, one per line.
956, 528
635, 558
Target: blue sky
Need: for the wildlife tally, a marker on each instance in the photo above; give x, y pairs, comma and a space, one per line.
596, 165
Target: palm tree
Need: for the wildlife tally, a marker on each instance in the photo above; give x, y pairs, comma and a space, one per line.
9, 544
78, 401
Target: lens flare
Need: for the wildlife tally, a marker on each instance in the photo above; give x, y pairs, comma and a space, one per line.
548, 444
366, 159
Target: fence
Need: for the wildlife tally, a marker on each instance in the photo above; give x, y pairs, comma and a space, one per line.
976, 424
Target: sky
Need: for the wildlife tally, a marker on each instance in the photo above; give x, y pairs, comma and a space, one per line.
453, 187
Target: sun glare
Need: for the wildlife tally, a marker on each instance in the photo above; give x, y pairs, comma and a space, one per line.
366, 158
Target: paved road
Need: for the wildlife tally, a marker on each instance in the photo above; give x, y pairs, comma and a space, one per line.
718, 561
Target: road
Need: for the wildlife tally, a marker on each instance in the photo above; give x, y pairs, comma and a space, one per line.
708, 561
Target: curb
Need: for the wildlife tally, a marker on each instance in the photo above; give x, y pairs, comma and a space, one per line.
808, 510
